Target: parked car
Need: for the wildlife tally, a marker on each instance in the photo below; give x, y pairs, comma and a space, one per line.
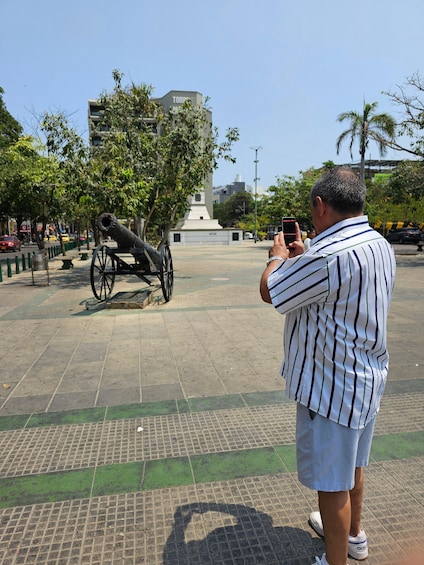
404, 235
9, 243
65, 237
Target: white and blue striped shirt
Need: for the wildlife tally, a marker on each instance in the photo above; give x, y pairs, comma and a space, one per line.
336, 299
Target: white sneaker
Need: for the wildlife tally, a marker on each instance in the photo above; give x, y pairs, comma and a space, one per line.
322, 561
357, 547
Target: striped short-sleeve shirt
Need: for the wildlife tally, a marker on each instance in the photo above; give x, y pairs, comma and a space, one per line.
336, 299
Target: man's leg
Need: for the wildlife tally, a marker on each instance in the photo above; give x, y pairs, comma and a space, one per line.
341, 516
336, 519
356, 497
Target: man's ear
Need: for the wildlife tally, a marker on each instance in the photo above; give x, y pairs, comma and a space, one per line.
320, 206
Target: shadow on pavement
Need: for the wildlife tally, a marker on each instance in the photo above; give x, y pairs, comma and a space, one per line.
249, 538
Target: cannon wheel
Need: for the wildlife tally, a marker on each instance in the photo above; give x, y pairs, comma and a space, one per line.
166, 273
102, 273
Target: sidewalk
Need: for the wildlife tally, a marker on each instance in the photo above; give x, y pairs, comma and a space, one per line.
163, 435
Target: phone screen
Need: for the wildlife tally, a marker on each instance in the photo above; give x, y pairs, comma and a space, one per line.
289, 230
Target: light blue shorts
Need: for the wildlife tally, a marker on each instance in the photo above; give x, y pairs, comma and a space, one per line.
328, 453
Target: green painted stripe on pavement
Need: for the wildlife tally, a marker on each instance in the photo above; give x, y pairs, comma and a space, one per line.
163, 408
51, 487
69, 417
140, 410
179, 471
117, 479
398, 446
236, 464
17, 422
166, 473
134, 476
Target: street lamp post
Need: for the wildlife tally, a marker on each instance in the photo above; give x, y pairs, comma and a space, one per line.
256, 149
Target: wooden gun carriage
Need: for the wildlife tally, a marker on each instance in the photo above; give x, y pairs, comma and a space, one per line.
132, 256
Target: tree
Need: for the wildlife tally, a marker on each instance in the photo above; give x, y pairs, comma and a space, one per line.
71, 156
290, 196
367, 127
10, 128
378, 204
397, 196
407, 182
151, 161
28, 183
235, 211
410, 98
125, 163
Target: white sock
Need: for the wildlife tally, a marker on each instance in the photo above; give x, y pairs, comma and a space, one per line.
324, 560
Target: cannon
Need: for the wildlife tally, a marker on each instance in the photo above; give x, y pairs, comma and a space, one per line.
132, 256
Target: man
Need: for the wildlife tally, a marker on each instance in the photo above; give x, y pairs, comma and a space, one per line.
336, 297
308, 239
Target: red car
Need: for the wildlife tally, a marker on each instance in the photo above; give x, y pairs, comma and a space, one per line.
9, 243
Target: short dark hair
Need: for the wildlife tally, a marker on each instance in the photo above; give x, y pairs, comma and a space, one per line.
342, 189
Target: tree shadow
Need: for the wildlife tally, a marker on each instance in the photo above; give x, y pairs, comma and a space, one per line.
245, 536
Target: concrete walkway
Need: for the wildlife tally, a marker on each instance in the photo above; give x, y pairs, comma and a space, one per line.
162, 435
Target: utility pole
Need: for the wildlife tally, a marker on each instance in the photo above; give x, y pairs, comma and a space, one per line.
256, 149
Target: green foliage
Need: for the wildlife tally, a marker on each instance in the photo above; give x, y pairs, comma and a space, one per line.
10, 128
71, 156
125, 164
27, 180
73, 171
236, 211
398, 196
151, 161
378, 203
290, 197
407, 182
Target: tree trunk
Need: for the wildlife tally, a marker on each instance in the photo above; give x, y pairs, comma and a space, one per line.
362, 167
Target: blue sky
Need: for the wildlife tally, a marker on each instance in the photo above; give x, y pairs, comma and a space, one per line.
279, 71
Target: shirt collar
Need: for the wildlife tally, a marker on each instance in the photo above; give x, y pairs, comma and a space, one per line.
360, 221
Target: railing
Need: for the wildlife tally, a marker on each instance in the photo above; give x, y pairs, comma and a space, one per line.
10, 267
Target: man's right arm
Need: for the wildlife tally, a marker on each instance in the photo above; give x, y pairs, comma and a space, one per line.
281, 252
263, 287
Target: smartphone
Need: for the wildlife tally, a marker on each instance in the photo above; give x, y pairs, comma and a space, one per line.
289, 230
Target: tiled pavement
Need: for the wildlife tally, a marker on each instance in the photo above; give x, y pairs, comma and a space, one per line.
163, 436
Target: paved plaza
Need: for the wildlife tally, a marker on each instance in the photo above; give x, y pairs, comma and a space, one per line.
162, 435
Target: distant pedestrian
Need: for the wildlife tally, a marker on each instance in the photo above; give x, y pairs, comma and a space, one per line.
335, 297
308, 239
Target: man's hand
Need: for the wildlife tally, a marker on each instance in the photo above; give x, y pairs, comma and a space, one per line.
297, 248
281, 250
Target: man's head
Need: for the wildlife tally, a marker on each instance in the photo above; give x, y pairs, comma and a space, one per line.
338, 194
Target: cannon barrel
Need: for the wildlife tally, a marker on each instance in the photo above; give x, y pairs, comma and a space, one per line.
109, 225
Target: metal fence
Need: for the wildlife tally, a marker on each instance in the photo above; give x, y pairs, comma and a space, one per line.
10, 267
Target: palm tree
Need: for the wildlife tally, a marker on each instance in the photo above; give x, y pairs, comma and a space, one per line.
365, 127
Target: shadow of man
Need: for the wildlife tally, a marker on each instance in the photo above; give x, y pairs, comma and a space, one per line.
244, 535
